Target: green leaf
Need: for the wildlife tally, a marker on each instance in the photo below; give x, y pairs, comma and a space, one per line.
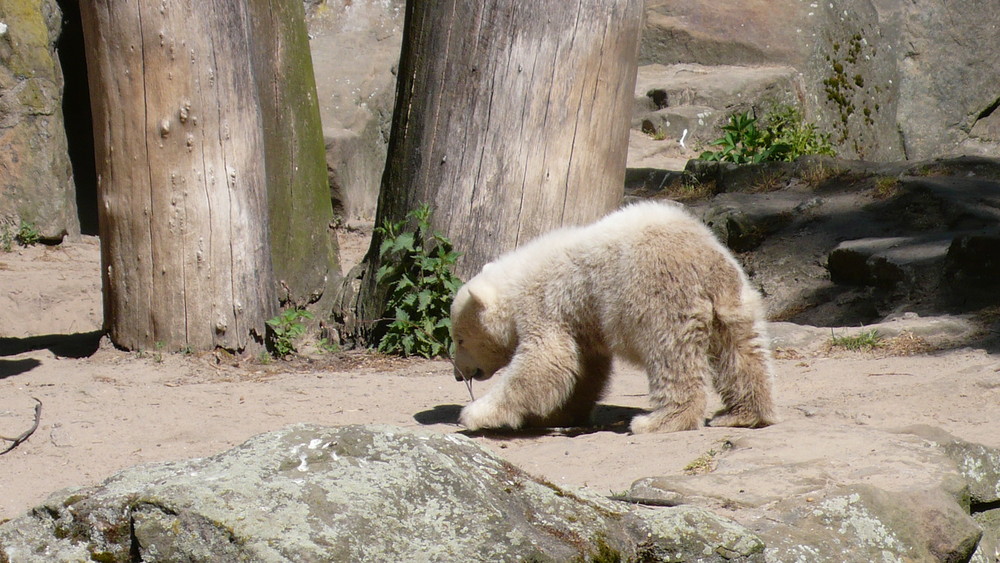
424, 299
385, 247
404, 242
383, 271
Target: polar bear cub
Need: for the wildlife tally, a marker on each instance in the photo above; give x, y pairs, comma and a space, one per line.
649, 284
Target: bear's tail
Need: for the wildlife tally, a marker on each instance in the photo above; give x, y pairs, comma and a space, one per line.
741, 357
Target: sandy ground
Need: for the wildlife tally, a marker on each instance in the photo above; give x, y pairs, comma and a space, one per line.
104, 409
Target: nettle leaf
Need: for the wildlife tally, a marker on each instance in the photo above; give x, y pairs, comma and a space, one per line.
383, 271
386, 246
424, 299
402, 314
403, 242
405, 282
407, 343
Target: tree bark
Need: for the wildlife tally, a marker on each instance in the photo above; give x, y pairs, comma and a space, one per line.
303, 246
179, 146
511, 119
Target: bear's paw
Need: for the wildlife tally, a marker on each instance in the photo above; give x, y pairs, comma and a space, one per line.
483, 413
662, 422
741, 419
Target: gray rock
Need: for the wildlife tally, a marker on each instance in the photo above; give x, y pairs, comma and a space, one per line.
700, 98
852, 79
355, 49
36, 185
822, 492
989, 546
978, 464
938, 332
742, 221
356, 493
691, 534
888, 262
946, 88
710, 33
891, 79
859, 524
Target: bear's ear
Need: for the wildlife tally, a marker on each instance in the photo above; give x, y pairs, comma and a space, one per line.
483, 294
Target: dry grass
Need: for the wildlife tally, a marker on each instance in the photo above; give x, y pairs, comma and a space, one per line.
814, 175
871, 342
906, 344
770, 181
885, 187
689, 188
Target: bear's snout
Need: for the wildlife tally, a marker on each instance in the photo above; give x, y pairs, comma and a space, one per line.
477, 374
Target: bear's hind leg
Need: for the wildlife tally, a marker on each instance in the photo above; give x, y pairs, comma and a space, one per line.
538, 382
676, 391
743, 373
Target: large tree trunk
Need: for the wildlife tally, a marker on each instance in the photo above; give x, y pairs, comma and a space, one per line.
303, 246
511, 119
179, 151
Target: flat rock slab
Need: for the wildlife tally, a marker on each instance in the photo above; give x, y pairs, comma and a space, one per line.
937, 332
887, 261
711, 86
820, 492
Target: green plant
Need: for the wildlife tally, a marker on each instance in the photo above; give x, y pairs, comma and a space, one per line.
325, 345
286, 328
6, 239
27, 234
742, 142
786, 127
417, 267
864, 340
706, 462
784, 136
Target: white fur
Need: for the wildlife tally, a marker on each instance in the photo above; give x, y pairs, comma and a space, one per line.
648, 283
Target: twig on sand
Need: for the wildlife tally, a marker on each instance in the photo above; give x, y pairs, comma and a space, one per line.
27, 434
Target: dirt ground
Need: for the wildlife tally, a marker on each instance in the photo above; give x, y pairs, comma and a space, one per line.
105, 409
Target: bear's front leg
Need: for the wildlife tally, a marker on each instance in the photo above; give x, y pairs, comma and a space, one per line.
539, 380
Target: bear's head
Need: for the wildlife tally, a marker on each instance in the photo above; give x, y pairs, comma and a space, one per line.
480, 331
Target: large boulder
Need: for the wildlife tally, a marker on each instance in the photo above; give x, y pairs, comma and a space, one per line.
890, 79
804, 491
355, 49
842, 57
36, 182
822, 492
755, 32
947, 90
357, 493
